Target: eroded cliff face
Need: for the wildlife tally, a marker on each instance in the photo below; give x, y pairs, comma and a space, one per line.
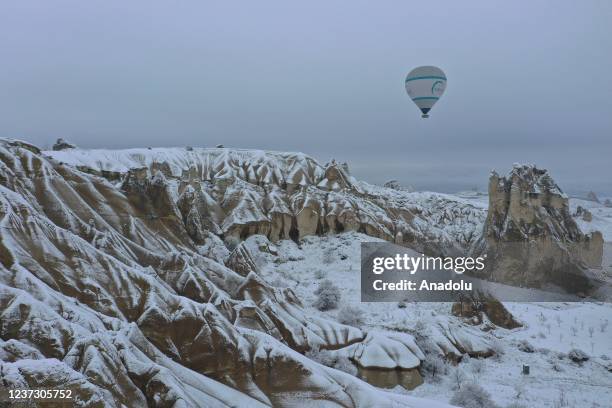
117, 284
530, 237
239, 193
114, 271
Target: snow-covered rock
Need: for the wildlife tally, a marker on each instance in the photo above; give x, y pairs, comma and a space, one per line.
285, 196
530, 237
62, 144
386, 351
108, 282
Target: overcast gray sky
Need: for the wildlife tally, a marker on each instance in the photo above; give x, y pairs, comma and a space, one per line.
528, 81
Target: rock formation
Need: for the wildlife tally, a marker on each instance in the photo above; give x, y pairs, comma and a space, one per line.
241, 193
583, 213
476, 307
592, 196
113, 271
395, 185
122, 290
530, 237
62, 144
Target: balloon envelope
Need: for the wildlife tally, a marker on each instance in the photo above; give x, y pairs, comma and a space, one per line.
425, 85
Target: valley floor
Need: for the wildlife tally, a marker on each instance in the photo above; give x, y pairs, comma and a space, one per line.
553, 329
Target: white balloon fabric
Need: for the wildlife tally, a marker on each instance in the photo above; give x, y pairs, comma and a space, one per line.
425, 85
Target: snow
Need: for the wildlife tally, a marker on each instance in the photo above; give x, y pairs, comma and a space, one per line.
337, 257
386, 350
247, 188
106, 267
602, 217
220, 160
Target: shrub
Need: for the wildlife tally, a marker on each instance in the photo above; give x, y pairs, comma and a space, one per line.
577, 356
434, 367
328, 296
457, 378
328, 257
295, 258
472, 396
351, 315
328, 359
320, 273
525, 346
324, 357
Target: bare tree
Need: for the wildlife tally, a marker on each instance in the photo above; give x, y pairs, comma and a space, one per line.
457, 378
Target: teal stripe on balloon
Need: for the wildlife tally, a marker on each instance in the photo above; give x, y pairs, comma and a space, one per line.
425, 77
422, 98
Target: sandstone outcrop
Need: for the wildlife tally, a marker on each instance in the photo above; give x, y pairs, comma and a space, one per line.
62, 144
475, 309
121, 290
395, 185
583, 213
530, 237
112, 263
592, 196
238, 193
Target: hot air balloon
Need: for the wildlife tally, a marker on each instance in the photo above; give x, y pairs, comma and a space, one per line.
425, 85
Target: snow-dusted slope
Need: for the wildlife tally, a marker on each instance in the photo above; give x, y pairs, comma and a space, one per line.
290, 195
601, 217
118, 287
552, 329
